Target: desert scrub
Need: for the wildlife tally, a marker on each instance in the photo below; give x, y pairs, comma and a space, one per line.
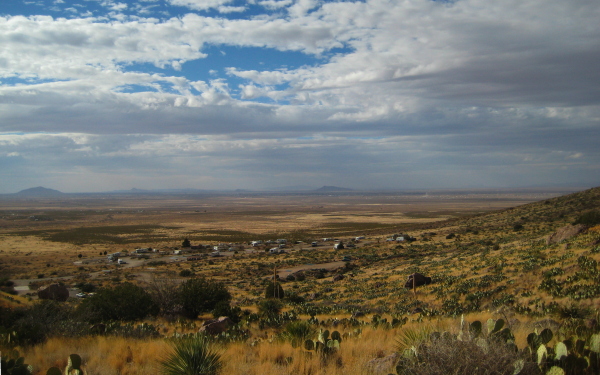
447, 355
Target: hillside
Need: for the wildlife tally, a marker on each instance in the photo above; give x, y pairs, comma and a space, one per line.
501, 259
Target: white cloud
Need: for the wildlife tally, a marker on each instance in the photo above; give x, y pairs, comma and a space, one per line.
229, 9
200, 4
508, 81
275, 4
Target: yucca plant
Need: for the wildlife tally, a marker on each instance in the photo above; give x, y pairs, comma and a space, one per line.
413, 336
297, 332
191, 356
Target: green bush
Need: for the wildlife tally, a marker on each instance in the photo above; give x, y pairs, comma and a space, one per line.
298, 331
589, 218
35, 324
223, 308
125, 302
86, 287
186, 273
270, 307
200, 295
274, 290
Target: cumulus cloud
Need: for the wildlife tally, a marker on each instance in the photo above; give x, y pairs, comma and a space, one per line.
437, 85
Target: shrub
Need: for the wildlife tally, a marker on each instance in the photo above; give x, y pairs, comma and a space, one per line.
270, 307
200, 295
164, 293
298, 331
447, 355
186, 273
126, 302
86, 287
274, 290
38, 322
294, 297
191, 356
589, 218
223, 308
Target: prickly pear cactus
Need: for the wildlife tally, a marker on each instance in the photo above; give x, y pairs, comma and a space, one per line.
74, 366
324, 345
15, 365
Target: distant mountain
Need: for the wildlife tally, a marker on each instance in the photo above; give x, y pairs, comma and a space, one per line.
326, 189
39, 192
292, 188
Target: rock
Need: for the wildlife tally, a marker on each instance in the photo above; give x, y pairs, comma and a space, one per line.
383, 365
216, 326
565, 233
417, 310
327, 290
338, 278
419, 280
56, 292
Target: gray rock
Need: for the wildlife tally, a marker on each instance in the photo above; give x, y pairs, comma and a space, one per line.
56, 292
216, 326
565, 233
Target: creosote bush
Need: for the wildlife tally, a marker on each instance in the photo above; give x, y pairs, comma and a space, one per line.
125, 302
200, 295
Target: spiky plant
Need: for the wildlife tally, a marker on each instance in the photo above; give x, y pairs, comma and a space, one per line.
413, 336
191, 356
297, 332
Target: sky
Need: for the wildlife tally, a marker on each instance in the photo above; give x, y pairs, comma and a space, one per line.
100, 95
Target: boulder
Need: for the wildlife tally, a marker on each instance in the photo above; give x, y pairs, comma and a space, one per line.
216, 326
419, 279
565, 233
338, 278
417, 310
56, 292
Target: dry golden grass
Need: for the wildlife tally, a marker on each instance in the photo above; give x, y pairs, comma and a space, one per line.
113, 355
